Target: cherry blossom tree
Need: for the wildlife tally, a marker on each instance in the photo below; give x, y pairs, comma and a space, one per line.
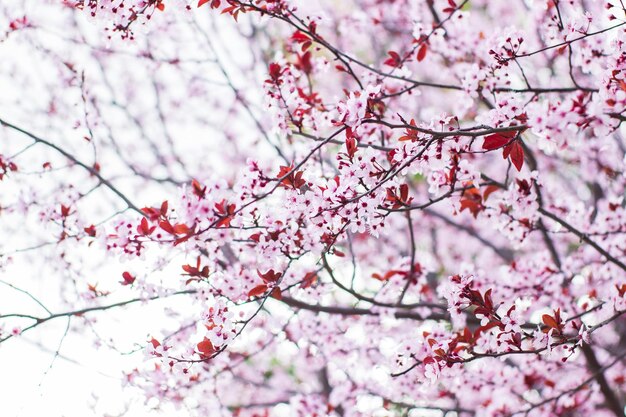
340, 208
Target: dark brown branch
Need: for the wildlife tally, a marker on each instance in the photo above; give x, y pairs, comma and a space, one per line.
80, 312
69, 156
583, 237
349, 311
612, 402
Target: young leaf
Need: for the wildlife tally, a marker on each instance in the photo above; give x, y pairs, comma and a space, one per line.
516, 154
257, 291
495, 141
421, 52
128, 278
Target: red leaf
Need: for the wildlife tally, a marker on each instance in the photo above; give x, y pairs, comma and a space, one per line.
473, 205
270, 276
309, 279
404, 192
144, 228
182, 229
388, 275
191, 270
351, 145
65, 210
301, 38
196, 271
304, 63
275, 71
225, 211
421, 53
198, 189
549, 321
495, 141
165, 225
91, 230
409, 134
181, 240
291, 179
128, 278
488, 300
206, 348
428, 359
257, 291
155, 343
488, 190
394, 59
516, 154
152, 213
276, 293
